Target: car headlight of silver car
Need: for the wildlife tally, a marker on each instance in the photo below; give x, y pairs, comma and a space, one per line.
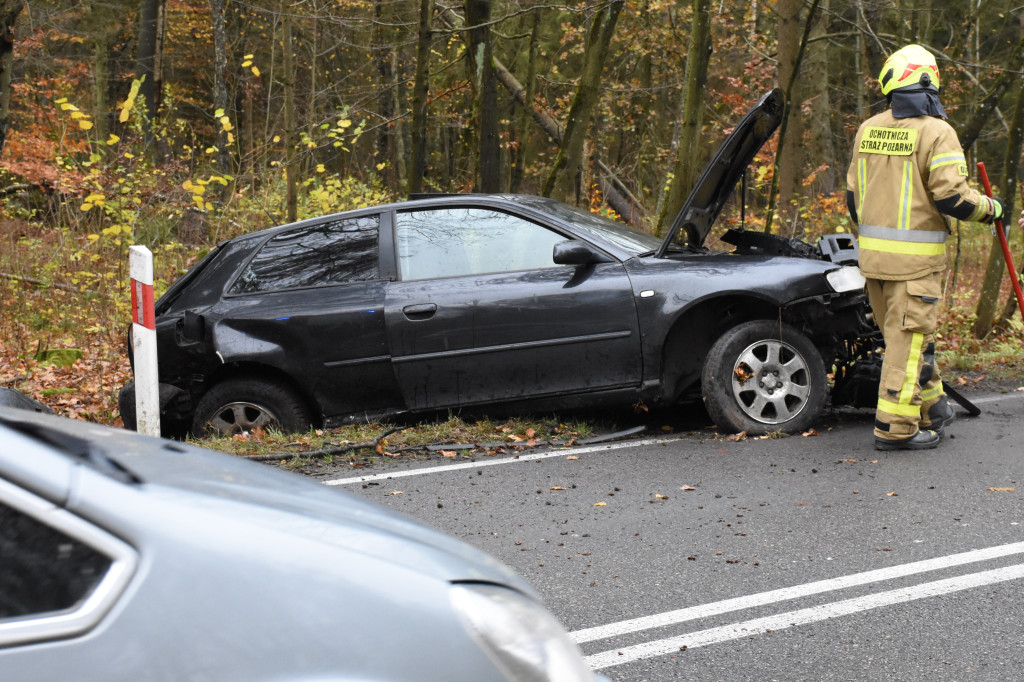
523, 640
846, 278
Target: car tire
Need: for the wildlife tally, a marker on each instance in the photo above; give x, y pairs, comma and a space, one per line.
764, 376
241, 405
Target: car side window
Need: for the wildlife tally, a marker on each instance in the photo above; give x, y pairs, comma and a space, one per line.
335, 252
41, 568
452, 242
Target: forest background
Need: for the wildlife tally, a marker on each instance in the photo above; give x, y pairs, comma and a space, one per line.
179, 123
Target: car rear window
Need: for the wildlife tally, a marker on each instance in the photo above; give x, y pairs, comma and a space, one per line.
334, 252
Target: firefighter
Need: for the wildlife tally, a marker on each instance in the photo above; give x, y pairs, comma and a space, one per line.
908, 177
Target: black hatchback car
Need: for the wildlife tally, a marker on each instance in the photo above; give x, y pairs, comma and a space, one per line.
495, 300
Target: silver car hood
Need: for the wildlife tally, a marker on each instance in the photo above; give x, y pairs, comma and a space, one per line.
226, 484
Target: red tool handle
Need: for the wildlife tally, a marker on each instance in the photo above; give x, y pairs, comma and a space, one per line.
1014, 280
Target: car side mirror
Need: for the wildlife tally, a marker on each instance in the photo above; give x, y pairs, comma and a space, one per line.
577, 253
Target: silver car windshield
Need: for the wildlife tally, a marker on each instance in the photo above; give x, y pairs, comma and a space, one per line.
627, 238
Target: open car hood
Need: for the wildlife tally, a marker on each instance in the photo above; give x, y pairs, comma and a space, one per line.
719, 178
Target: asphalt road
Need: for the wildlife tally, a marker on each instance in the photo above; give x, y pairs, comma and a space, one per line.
801, 558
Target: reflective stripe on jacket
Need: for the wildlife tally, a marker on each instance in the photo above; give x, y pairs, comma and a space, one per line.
906, 176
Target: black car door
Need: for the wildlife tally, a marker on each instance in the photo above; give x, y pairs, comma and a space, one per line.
310, 303
481, 313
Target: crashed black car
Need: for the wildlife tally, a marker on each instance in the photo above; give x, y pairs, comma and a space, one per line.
495, 300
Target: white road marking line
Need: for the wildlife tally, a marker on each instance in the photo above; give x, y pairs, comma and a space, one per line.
814, 614
995, 398
795, 592
500, 460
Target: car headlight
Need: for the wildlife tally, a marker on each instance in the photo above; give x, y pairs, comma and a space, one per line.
523, 640
846, 278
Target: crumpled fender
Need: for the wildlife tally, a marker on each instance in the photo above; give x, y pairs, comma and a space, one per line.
234, 345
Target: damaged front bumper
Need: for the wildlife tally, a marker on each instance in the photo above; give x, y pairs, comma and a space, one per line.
175, 409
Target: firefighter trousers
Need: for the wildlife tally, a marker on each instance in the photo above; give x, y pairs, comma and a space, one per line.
907, 314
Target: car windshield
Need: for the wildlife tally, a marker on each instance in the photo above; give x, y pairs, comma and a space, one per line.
631, 240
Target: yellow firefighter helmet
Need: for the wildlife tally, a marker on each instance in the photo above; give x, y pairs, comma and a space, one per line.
911, 65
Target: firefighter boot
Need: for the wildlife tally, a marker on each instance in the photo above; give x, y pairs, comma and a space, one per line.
941, 415
922, 440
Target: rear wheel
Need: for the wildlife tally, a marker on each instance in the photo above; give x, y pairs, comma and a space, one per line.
241, 405
764, 376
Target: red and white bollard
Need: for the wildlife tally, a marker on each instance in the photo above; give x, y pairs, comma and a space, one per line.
147, 381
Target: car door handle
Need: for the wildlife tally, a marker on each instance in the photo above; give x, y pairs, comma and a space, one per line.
420, 311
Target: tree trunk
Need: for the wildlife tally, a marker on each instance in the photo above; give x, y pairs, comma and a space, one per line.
988, 299
563, 181
421, 83
385, 97
519, 153
399, 138
485, 87
821, 152
698, 56
147, 63
290, 135
10, 11
788, 158
220, 87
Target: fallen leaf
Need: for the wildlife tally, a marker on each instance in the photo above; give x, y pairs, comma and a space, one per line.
848, 461
600, 504
395, 492
660, 496
448, 453
572, 457
666, 428
892, 494
742, 374
721, 452
556, 487
687, 487
808, 433
1001, 490
530, 433
742, 435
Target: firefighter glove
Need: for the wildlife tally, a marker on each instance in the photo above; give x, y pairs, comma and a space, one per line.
997, 210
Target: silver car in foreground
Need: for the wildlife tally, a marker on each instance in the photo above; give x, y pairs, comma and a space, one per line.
124, 557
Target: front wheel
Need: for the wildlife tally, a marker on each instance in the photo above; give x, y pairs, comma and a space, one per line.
764, 376
241, 405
